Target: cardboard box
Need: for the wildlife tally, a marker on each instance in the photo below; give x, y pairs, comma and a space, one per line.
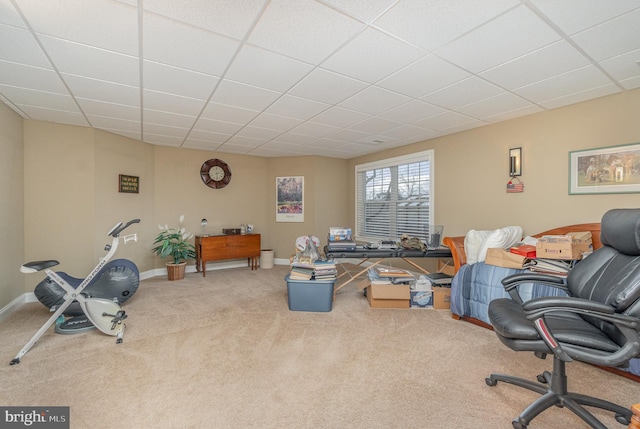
441, 298
310, 295
388, 295
567, 247
502, 258
421, 299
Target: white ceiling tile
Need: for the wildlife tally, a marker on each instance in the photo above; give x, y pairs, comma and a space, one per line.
424, 76
296, 107
257, 133
243, 141
9, 16
177, 81
22, 49
294, 138
573, 16
516, 113
492, 106
84, 87
371, 56
35, 78
558, 58
161, 140
405, 131
575, 81
166, 118
314, 129
231, 18
114, 123
129, 134
190, 143
53, 115
462, 93
363, 10
580, 96
244, 96
212, 137
622, 67
275, 122
165, 130
464, 126
412, 111
431, 24
347, 135
214, 126
631, 83
259, 67
99, 23
445, 120
48, 100
327, 87
307, 23
615, 37
340, 117
82, 60
374, 100
171, 103
509, 36
109, 110
375, 125
227, 113
171, 42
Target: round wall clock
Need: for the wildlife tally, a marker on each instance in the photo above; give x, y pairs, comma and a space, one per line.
215, 173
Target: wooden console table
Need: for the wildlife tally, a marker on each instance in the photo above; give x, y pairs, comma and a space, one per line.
221, 247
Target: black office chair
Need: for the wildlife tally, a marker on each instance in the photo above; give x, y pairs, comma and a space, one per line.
599, 323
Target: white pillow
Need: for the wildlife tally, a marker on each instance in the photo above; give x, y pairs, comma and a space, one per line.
472, 243
501, 238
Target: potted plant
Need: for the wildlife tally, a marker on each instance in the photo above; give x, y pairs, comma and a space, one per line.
173, 242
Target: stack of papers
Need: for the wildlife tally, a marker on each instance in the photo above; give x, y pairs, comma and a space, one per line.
386, 275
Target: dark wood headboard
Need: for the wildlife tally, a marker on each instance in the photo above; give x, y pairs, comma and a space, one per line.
456, 244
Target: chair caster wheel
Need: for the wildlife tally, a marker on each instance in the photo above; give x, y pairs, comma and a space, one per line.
541, 379
14, 361
490, 381
517, 425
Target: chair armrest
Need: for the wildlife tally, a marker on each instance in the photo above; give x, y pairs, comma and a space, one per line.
511, 283
536, 309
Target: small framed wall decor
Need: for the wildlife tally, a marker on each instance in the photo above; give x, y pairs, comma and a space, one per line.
290, 199
606, 170
128, 184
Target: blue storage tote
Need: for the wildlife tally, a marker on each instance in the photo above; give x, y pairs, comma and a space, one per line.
310, 295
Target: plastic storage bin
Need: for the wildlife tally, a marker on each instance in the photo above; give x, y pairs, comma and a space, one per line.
310, 295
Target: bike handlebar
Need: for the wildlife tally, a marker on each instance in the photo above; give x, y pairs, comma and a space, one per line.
116, 230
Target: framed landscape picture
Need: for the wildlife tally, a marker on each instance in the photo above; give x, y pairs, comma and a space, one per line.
290, 199
606, 170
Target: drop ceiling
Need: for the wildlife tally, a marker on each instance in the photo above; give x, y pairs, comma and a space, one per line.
336, 78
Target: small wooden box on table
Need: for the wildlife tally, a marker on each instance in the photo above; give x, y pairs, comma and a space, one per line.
221, 247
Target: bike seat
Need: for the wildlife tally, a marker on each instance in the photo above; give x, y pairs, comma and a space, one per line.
35, 266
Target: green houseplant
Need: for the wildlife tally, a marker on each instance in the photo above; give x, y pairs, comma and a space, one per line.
174, 243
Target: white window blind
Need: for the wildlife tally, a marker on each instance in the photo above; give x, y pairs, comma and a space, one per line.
394, 197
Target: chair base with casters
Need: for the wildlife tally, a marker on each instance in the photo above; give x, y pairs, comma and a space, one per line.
554, 390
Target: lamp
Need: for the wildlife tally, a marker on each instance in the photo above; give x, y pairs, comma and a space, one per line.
515, 161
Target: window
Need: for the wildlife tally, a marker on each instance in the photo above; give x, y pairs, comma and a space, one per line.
394, 197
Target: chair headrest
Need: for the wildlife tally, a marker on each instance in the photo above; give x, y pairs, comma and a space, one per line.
620, 229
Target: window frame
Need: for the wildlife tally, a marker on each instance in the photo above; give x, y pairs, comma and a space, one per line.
427, 155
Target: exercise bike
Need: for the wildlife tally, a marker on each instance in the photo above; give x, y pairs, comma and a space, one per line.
105, 314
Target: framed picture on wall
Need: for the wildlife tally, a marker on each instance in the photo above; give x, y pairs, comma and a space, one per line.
606, 170
290, 199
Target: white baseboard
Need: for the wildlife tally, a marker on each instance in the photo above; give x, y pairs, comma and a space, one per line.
14, 305
26, 298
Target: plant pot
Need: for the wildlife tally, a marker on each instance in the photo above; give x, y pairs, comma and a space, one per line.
176, 271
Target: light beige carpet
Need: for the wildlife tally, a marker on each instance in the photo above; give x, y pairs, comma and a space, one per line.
225, 352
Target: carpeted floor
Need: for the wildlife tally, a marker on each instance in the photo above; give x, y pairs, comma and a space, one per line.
225, 352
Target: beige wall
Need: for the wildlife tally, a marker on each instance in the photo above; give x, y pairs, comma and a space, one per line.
71, 199
12, 206
471, 167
